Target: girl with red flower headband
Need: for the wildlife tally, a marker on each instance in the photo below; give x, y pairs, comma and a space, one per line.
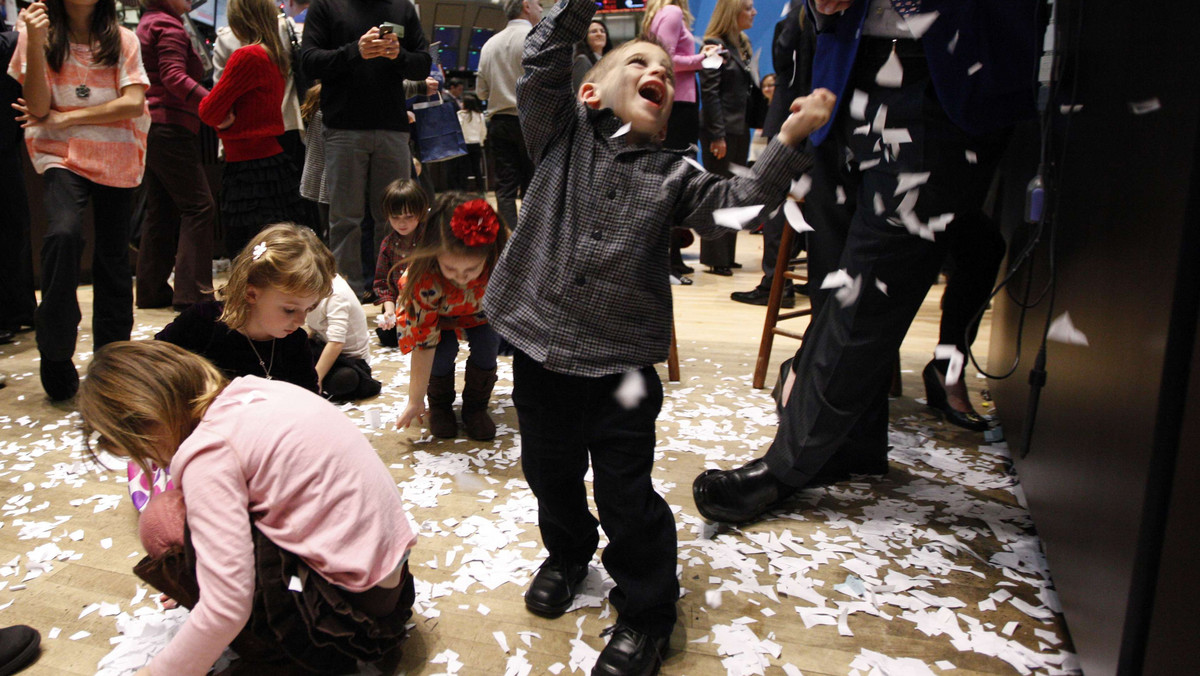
441, 303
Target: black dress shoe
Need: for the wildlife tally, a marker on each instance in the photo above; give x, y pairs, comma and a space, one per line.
736, 265
59, 379
18, 647
760, 297
553, 588
935, 396
738, 495
630, 653
723, 271
681, 269
6, 336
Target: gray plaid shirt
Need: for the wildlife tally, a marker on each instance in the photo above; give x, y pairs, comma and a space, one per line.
582, 286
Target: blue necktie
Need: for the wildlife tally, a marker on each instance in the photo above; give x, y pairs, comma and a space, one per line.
906, 7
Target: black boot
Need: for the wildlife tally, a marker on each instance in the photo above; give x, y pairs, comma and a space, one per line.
477, 394
441, 407
738, 495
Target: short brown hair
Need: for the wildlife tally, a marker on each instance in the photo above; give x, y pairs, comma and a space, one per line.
609, 62
144, 398
292, 260
405, 196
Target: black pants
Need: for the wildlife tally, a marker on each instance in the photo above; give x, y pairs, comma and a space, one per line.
720, 251
682, 129
58, 316
563, 420
17, 301
976, 251
838, 404
772, 239
514, 169
181, 218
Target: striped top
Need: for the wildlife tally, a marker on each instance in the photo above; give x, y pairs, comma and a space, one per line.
112, 154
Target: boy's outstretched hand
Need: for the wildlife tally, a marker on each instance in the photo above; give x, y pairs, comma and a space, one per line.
808, 113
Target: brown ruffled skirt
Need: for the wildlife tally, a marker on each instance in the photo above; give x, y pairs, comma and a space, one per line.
322, 629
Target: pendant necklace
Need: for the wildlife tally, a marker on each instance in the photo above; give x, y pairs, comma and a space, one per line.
83, 91
263, 365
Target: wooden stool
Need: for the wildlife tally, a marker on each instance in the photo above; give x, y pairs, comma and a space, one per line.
783, 271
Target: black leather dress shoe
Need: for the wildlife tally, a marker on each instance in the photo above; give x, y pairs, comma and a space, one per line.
553, 588
722, 271
738, 495
760, 297
630, 653
6, 336
935, 396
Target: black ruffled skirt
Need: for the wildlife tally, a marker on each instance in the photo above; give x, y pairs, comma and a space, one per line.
257, 193
322, 629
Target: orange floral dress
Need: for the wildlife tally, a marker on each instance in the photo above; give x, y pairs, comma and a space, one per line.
440, 305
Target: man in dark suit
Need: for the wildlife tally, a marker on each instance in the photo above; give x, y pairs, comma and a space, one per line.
927, 90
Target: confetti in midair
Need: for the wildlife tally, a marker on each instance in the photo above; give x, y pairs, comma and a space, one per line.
736, 218
1062, 330
795, 217
858, 105
631, 391
954, 369
891, 74
1143, 107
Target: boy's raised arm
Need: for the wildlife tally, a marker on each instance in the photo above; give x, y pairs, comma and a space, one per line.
544, 93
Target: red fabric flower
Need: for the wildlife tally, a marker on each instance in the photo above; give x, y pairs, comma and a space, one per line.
475, 223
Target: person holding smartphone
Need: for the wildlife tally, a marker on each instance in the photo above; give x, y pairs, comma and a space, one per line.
362, 51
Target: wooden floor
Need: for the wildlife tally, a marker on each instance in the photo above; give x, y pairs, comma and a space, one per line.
947, 518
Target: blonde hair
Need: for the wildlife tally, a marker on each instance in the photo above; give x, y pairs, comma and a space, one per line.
256, 22
654, 6
609, 62
291, 260
141, 416
724, 26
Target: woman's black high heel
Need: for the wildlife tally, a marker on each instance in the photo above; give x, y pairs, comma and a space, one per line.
935, 397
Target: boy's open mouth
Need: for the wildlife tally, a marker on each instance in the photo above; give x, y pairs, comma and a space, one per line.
654, 92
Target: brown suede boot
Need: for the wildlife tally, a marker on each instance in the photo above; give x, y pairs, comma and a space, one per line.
441, 407
477, 394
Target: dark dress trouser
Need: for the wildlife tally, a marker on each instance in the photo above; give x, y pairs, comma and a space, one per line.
565, 420
838, 405
514, 169
719, 251
181, 220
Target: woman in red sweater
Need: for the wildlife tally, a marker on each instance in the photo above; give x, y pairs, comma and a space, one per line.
259, 186
181, 214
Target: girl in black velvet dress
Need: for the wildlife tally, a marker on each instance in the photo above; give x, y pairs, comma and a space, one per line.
253, 329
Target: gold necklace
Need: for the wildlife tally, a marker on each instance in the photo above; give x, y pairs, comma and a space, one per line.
263, 365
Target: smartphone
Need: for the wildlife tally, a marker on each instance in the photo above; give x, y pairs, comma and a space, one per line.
387, 28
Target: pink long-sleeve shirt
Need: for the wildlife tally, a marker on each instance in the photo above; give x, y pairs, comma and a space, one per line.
675, 37
280, 455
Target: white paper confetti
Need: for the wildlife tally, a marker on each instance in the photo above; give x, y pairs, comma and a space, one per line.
795, 216
1062, 330
919, 23
800, 187
858, 105
713, 62
632, 390
1146, 106
954, 369
735, 218
622, 130
891, 74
